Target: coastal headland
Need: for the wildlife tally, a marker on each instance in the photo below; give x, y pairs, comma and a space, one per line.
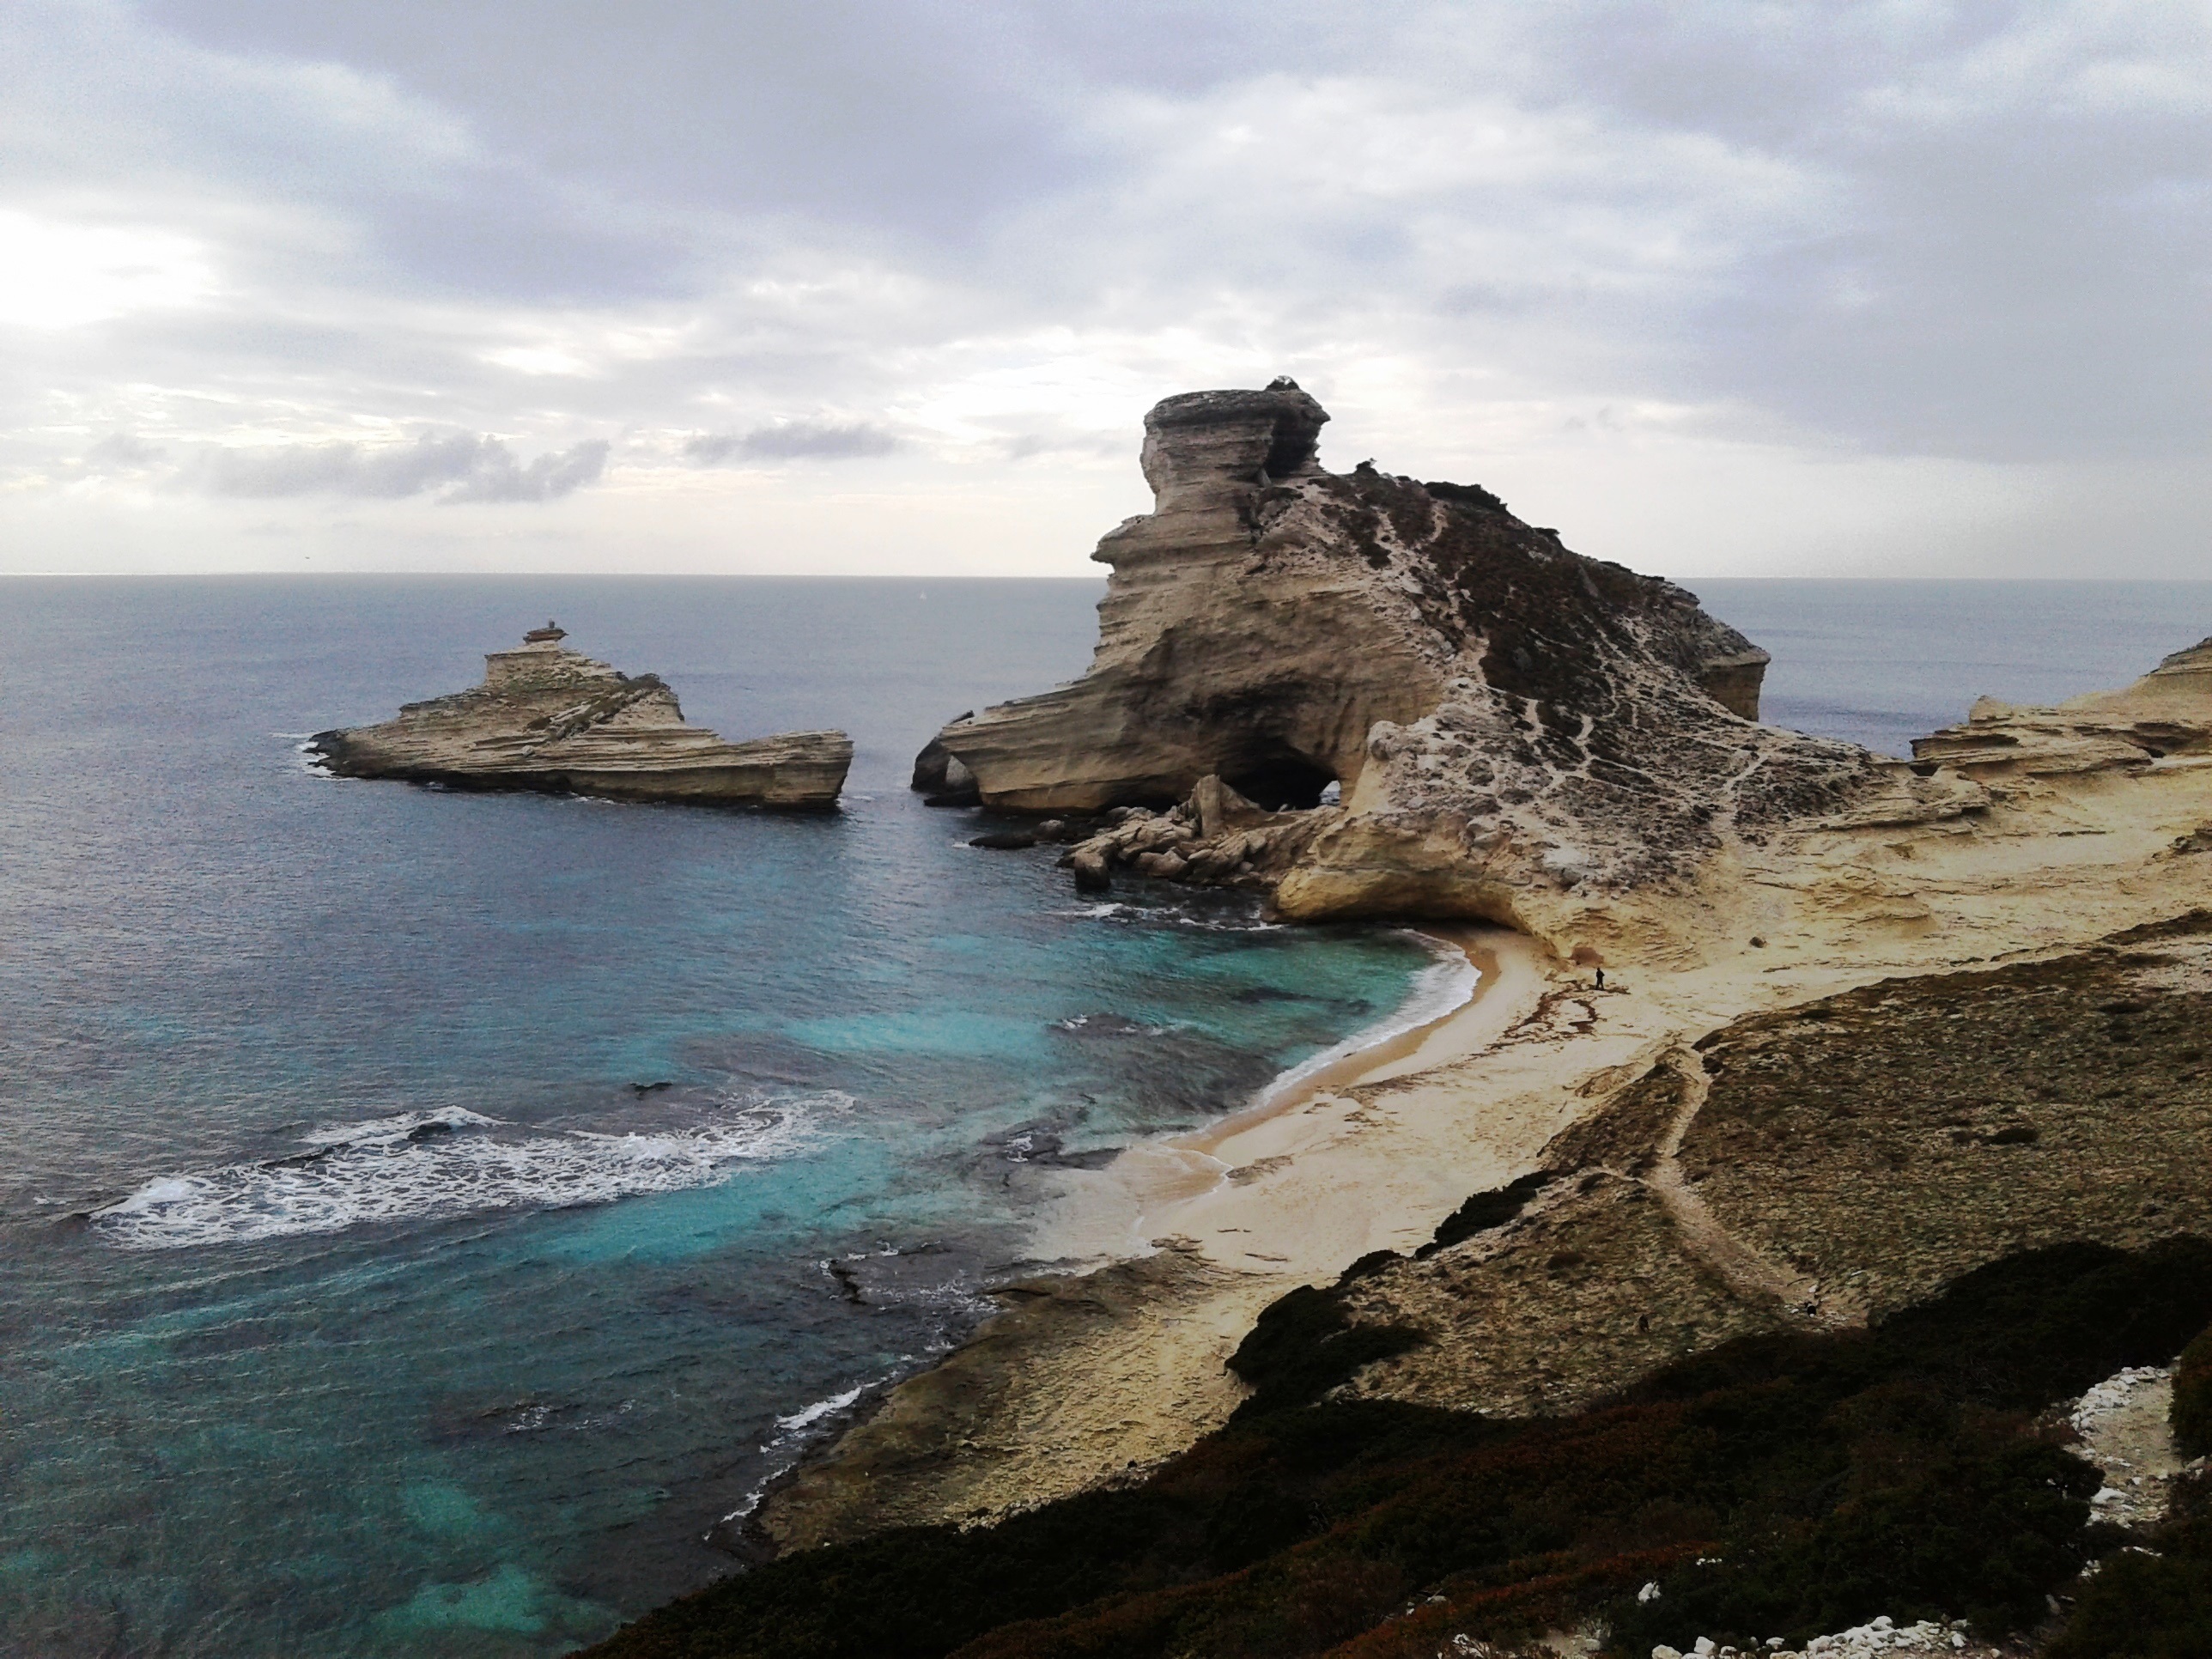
1862, 1098
551, 719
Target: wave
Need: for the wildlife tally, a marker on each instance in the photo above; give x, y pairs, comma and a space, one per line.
1447, 982
403, 1126
422, 1165
312, 761
1116, 1026
802, 1427
808, 1416
1173, 914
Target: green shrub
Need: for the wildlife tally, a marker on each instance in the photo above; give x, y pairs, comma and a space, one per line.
1486, 1210
1302, 1345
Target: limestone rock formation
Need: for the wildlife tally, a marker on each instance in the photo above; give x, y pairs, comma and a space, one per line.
2168, 712
1516, 730
549, 718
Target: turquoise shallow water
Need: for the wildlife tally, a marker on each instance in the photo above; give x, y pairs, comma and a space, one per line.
420, 1328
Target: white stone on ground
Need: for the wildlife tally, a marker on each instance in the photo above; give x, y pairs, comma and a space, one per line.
1882, 1638
2124, 1431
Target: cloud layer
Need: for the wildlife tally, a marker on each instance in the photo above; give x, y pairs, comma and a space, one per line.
454, 468
1909, 286
792, 440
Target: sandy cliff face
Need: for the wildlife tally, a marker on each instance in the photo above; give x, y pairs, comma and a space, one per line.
1228, 643
1519, 733
549, 718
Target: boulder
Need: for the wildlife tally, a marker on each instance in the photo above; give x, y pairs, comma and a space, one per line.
1089, 865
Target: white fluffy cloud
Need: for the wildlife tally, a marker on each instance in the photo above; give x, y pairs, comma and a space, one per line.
1908, 287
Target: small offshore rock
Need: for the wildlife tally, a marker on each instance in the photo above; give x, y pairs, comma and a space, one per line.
1005, 841
549, 719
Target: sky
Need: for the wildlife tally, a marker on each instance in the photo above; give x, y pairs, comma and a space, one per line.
1745, 287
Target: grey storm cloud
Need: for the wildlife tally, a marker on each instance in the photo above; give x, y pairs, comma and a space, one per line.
459, 467
817, 441
122, 452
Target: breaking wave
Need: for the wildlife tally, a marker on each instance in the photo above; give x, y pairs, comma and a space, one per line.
807, 1417
1198, 917
453, 1163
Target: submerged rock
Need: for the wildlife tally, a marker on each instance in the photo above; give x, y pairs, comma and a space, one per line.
549, 718
1504, 721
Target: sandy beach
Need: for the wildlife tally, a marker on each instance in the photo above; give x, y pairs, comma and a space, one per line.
1218, 1192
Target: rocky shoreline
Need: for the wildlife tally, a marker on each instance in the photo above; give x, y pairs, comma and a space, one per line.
551, 720
1793, 1056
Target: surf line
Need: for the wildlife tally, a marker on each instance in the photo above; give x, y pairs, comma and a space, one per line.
1466, 966
1115, 1213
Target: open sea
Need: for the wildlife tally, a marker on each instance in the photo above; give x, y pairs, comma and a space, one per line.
425, 1217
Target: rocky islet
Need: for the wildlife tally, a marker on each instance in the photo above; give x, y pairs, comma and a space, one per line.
551, 718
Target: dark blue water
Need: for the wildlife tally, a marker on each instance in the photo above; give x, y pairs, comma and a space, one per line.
478, 1377
410, 1325
1883, 662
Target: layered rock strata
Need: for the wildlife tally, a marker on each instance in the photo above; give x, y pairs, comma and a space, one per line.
547, 718
1516, 732
2168, 712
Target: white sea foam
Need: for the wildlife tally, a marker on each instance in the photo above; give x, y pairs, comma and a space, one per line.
1172, 915
1447, 982
381, 1131
814, 1414
312, 760
388, 1170
803, 1424
1116, 1026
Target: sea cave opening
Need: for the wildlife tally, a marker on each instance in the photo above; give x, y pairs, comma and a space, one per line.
1281, 783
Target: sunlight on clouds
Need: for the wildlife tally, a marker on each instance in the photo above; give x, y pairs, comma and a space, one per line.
582, 349
58, 276
538, 360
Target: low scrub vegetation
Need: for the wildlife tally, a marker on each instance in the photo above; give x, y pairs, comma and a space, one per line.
1780, 1486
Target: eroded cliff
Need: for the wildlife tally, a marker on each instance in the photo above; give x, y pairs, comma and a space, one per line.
547, 718
1517, 731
